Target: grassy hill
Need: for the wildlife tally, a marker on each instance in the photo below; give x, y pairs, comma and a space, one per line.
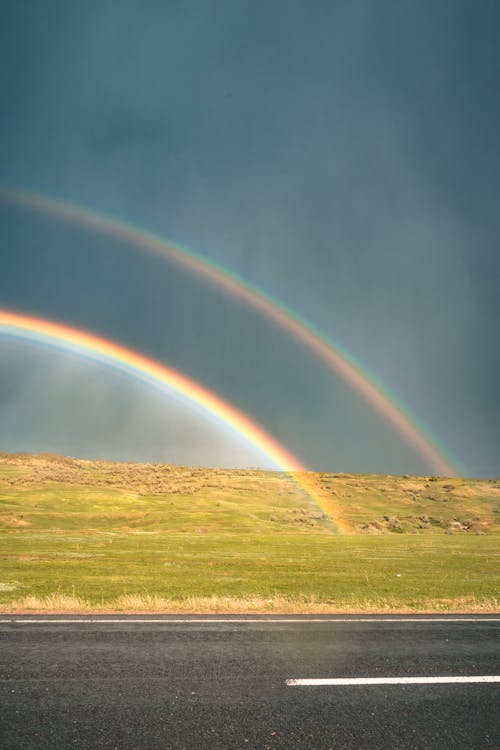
81, 534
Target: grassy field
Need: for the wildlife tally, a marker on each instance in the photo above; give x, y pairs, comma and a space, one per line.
84, 535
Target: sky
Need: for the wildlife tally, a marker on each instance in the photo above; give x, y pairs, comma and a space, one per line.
341, 156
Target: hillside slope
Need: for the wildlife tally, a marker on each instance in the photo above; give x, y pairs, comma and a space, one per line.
229, 498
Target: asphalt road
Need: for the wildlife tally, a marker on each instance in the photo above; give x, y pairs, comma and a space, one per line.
215, 682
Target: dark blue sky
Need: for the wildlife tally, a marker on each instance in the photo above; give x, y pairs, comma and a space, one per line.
344, 156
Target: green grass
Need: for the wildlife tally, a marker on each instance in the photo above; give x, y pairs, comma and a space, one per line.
123, 536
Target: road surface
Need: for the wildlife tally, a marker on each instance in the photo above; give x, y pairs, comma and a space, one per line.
245, 682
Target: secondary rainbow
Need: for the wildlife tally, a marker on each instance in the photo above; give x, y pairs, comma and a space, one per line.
334, 356
47, 332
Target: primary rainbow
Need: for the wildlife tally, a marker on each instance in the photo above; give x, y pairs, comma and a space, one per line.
50, 333
334, 356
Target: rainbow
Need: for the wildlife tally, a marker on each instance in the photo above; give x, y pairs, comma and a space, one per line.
39, 330
337, 359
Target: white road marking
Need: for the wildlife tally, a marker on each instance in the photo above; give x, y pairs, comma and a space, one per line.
394, 680
125, 620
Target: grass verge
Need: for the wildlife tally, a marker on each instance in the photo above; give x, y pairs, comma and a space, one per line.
154, 604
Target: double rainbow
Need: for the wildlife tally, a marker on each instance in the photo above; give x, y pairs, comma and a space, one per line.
335, 357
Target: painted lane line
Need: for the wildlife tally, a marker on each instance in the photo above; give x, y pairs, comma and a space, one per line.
232, 620
394, 680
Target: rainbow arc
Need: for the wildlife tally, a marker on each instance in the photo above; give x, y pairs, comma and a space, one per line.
50, 333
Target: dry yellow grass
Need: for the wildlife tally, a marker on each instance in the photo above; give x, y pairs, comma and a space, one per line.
55, 602
153, 604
